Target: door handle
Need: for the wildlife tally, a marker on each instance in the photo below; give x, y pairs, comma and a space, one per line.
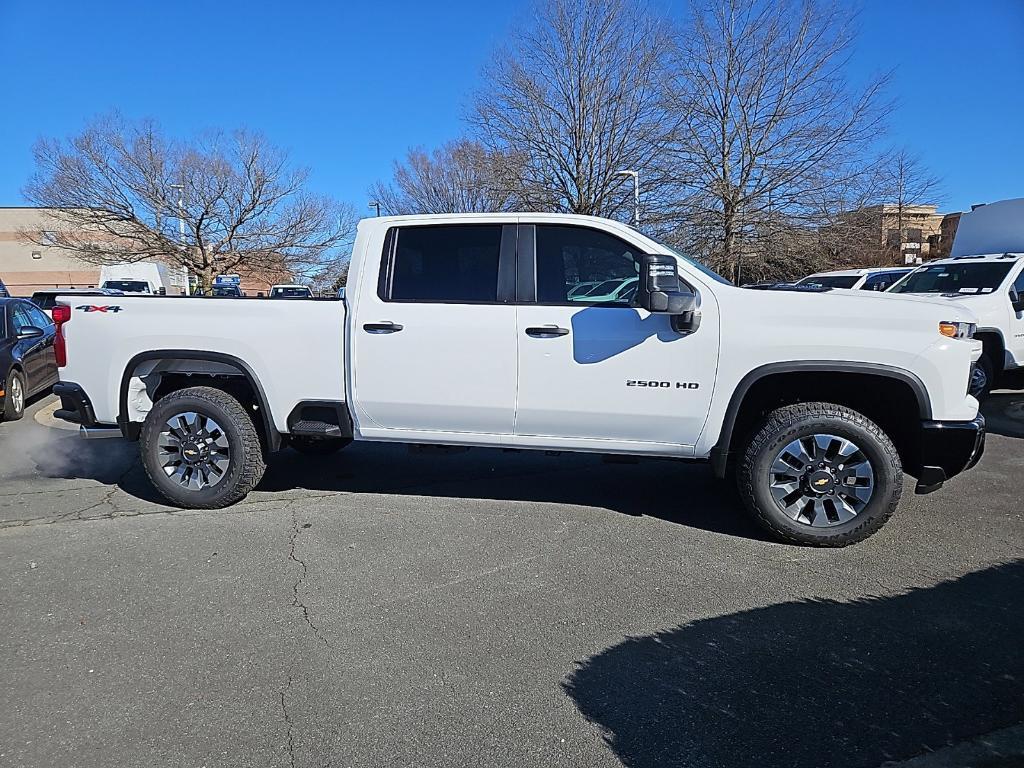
546, 331
385, 327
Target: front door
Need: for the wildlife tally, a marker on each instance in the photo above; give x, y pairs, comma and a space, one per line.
594, 367
433, 347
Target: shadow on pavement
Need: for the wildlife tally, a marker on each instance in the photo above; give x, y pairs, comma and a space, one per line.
1004, 413
674, 491
816, 683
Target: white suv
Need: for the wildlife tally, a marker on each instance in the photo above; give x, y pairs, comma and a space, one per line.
992, 285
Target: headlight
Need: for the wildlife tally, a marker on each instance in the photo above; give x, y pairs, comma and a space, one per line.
957, 330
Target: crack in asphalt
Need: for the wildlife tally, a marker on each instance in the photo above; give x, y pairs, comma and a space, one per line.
288, 722
296, 600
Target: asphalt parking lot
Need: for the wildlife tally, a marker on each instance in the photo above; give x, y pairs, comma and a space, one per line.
492, 609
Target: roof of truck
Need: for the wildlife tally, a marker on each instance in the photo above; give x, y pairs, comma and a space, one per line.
984, 257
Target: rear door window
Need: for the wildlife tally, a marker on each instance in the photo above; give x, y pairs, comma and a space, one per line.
443, 264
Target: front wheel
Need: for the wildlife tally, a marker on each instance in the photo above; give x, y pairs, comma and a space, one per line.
820, 474
14, 397
982, 377
201, 449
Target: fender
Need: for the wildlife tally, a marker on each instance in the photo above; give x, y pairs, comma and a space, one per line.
720, 453
131, 430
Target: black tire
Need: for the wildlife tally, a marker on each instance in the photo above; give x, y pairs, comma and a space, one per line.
793, 422
246, 462
13, 411
318, 446
982, 377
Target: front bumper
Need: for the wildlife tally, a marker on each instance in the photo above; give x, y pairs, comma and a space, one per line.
947, 449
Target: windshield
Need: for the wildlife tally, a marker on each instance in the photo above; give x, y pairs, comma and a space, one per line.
606, 287
290, 293
967, 278
830, 281
128, 286
706, 271
219, 290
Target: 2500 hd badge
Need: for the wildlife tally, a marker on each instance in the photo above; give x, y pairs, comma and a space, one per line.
662, 384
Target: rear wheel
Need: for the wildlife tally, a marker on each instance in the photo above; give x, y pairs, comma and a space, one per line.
201, 449
14, 397
820, 474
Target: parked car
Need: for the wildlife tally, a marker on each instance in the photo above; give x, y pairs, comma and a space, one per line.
27, 359
581, 289
877, 279
4, 293
458, 331
46, 299
291, 292
616, 290
992, 287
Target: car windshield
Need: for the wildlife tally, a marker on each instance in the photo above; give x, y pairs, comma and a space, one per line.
290, 293
967, 278
44, 300
225, 291
831, 281
128, 286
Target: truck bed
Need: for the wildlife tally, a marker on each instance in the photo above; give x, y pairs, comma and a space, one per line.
293, 348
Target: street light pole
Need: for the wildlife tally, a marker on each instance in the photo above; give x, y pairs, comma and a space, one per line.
636, 195
181, 210
374, 204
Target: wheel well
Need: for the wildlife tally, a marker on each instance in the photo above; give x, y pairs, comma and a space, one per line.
994, 349
161, 376
889, 402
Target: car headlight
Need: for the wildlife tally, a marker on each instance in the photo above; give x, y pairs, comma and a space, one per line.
957, 330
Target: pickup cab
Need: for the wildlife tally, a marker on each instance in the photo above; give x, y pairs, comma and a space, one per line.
466, 330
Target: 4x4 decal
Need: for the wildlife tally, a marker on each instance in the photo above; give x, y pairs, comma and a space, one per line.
94, 308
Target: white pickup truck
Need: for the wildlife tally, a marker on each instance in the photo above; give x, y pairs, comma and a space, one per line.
461, 330
992, 287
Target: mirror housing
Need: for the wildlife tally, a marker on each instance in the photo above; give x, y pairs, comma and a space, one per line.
30, 332
660, 292
1016, 301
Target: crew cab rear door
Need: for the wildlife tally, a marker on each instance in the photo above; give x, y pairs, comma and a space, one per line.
595, 368
433, 342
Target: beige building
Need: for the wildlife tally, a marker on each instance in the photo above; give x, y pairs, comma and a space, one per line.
909, 235
26, 267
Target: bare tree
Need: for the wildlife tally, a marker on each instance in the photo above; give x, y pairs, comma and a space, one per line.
573, 100
905, 183
461, 176
124, 191
768, 124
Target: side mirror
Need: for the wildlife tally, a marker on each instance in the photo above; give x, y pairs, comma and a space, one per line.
660, 292
1016, 301
30, 332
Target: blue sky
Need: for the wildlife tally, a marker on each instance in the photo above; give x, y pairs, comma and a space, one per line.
349, 86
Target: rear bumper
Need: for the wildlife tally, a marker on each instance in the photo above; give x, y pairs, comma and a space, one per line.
74, 404
947, 449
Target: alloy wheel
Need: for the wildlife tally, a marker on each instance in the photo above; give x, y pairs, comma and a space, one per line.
17, 394
821, 480
194, 450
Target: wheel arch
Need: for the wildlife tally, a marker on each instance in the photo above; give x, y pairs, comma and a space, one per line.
994, 346
182, 357
784, 383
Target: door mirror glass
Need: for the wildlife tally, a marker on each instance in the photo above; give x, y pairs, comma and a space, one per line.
30, 332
